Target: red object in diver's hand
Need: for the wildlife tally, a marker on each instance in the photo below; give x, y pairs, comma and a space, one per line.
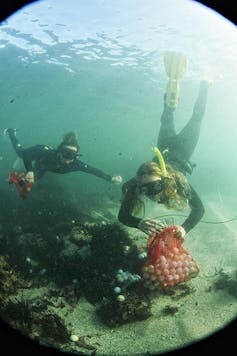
18, 178
168, 263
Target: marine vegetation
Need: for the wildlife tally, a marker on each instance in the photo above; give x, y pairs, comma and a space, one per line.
10, 280
37, 318
226, 282
84, 262
62, 257
170, 310
115, 313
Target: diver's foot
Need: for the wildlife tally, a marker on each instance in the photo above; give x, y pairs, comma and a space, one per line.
9, 131
166, 106
206, 83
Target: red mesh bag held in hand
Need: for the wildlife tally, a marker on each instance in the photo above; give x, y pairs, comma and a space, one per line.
23, 186
168, 263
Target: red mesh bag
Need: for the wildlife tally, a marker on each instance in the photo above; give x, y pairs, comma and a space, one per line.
23, 186
168, 263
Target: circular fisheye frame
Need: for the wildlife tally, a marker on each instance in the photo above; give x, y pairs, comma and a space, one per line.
76, 278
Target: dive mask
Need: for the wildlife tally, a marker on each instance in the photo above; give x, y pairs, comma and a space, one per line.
151, 188
69, 154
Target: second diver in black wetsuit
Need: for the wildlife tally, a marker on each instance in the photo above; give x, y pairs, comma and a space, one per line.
173, 191
40, 159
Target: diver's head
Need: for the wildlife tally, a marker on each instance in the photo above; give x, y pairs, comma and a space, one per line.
68, 153
149, 178
68, 150
171, 190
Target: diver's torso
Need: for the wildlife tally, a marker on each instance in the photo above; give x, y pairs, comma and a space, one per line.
50, 162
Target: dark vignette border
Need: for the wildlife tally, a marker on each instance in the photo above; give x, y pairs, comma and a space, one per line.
224, 340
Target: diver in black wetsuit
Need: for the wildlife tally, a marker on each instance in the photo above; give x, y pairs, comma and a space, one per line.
173, 191
40, 159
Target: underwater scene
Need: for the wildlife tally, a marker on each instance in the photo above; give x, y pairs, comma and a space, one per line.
118, 224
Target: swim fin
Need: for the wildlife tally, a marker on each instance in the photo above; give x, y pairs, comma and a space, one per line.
175, 66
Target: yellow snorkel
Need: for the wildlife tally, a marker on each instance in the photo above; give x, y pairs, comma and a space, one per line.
161, 161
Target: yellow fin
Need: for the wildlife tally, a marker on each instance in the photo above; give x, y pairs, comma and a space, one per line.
175, 66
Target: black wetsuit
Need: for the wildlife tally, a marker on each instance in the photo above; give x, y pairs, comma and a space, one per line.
41, 159
177, 150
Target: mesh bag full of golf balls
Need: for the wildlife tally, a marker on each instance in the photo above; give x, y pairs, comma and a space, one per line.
168, 263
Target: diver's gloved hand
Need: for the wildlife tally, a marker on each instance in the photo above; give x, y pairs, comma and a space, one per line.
117, 179
29, 177
180, 232
149, 226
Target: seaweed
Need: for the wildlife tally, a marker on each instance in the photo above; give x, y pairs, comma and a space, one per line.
10, 280
36, 318
225, 281
114, 313
169, 310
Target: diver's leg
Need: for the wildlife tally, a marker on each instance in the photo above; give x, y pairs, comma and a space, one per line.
167, 129
188, 137
15, 143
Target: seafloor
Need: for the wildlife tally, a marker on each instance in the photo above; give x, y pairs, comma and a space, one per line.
57, 285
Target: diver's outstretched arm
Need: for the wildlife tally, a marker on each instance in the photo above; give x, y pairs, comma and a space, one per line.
197, 211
